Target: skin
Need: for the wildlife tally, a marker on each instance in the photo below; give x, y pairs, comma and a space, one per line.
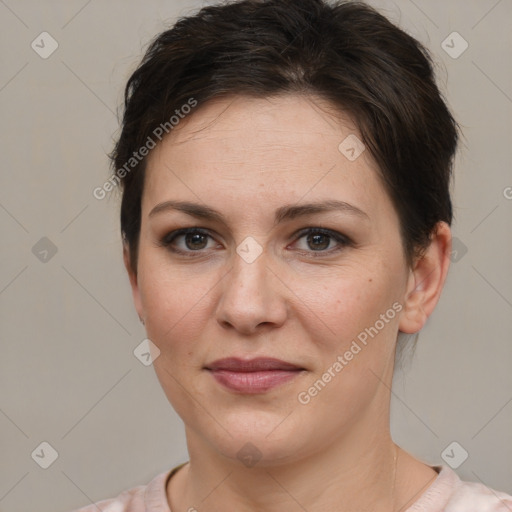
245, 158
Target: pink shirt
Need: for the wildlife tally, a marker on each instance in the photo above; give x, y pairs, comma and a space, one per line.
447, 493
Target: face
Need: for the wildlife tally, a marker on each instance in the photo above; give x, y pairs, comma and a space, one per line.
319, 287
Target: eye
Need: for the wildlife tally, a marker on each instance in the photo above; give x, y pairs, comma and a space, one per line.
321, 240
193, 240
188, 241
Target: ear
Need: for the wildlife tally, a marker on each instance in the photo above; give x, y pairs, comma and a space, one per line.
133, 281
426, 280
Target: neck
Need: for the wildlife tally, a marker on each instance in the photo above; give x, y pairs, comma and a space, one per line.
348, 475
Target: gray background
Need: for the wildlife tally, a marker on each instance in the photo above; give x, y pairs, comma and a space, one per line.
68, 375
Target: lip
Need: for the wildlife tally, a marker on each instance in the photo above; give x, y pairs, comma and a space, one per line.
235, 364
251, 376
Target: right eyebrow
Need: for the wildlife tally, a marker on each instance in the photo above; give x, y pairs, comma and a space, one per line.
284, 213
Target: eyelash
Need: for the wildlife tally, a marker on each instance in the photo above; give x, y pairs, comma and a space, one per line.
342, 240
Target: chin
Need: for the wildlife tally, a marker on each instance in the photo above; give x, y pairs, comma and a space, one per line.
257, 438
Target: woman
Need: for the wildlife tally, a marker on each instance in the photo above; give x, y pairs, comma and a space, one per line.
285, 168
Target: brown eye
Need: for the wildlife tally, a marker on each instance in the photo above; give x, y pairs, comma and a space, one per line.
186, 240
195, 241
318, 241
323, 240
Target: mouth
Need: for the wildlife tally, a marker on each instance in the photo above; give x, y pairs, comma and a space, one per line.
254, 375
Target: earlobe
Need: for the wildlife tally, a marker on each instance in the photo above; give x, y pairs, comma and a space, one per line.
133, 281
426, 280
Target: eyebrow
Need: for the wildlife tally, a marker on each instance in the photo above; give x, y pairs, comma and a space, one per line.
284, 213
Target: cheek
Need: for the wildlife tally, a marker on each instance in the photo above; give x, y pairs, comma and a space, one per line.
176, 313
176, 305
353, 363
343, 305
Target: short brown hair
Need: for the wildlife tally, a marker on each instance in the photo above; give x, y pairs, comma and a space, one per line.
345, 52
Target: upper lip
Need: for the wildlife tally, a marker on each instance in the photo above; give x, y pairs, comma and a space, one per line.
235, 364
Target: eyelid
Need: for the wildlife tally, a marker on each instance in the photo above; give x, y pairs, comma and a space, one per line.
319, 229
172, 235
341, 239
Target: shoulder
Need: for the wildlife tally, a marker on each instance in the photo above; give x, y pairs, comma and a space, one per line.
476, 497
131, 500
136, 499
448, 493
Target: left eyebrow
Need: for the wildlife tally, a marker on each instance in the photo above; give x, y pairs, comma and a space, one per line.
290, 212
284, 213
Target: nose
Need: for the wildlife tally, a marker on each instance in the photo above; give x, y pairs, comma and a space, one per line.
253, 297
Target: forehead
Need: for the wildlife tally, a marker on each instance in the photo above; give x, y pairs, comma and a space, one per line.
264, 151
295, 120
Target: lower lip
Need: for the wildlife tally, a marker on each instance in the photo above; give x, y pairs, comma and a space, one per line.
253, 382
